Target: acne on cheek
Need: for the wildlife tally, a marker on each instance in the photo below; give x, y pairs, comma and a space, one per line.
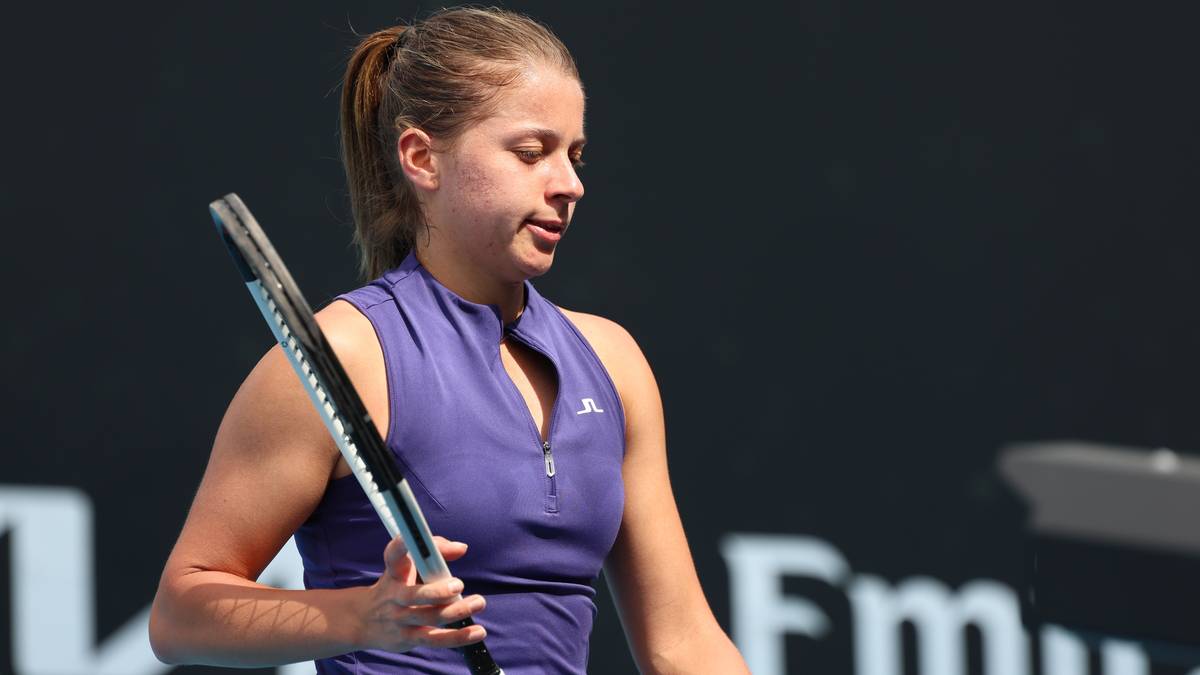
476, 186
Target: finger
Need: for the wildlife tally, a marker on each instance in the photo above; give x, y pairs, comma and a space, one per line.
441, 592
395, 550
440, 615
428, 636
397, 560
450, 550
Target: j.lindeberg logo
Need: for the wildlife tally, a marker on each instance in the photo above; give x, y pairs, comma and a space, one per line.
589, 406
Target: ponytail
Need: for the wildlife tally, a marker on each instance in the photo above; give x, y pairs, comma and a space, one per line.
386, 212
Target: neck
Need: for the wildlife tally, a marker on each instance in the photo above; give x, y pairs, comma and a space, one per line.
474, 283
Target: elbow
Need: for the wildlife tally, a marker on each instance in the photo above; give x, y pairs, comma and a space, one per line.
704, 648
164, 638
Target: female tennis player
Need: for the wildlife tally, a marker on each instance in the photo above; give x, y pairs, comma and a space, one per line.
531, 433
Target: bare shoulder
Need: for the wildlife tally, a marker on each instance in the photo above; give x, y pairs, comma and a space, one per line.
346, 328
618, 351
272, 413
357, 347
599, 330
609, 338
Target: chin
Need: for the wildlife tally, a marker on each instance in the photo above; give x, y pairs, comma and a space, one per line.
535, 264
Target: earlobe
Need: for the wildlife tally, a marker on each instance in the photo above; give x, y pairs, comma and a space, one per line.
414, 149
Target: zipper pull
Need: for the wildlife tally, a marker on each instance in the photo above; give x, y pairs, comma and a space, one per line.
550, 471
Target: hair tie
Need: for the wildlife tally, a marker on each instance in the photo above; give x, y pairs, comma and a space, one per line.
400, 38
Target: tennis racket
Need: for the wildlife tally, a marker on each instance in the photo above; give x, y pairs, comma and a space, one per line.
291, 320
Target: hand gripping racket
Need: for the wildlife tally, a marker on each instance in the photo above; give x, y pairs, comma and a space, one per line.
291, 320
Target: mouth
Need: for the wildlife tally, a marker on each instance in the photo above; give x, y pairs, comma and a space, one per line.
549, 231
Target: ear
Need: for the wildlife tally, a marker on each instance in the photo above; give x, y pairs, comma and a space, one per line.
415, 151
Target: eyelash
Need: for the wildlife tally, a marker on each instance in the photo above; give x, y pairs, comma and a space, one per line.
534, 155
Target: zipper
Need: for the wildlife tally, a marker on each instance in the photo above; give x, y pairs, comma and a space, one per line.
551, 501
552, 488
549, 459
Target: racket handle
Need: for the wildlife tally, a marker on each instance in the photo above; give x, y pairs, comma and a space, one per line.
479, 659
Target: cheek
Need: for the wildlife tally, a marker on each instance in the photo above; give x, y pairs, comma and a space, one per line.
487, 193
478, 191
475, 185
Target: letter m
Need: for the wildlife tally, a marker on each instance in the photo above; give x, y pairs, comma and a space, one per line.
940, 618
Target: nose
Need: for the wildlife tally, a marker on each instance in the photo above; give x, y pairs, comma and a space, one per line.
564, 182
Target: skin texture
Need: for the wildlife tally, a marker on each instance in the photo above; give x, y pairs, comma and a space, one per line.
272, 457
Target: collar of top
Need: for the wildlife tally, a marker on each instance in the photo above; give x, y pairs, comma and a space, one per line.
484, 322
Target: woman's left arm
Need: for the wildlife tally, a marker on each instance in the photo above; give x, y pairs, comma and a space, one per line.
666, 617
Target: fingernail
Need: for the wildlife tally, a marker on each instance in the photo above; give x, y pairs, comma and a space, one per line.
455, 585
476, 603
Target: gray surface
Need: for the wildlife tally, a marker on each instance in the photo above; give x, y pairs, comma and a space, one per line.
1109, 493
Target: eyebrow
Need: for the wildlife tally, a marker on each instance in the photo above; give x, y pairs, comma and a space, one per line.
544, 133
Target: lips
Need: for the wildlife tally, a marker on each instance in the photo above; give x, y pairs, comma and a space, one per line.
549, 231
549, 225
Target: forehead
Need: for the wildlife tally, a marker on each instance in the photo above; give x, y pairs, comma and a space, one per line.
543, 99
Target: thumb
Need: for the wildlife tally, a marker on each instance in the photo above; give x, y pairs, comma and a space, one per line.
450, 550
397, 561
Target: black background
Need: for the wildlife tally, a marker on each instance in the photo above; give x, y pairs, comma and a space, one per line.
863, 244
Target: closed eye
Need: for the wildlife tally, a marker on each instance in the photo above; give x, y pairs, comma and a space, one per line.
532, 156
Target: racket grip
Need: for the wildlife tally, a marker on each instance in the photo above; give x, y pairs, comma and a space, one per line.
479, 659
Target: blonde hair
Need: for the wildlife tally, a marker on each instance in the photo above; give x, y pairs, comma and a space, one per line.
439, 75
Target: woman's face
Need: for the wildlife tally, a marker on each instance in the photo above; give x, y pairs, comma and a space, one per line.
508, 186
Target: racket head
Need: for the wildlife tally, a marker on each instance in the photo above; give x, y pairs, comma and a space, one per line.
257, 260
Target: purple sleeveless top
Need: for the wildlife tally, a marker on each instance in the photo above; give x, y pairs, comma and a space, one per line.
539, 518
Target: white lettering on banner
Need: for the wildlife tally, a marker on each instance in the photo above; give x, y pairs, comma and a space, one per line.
762, 615
1063, 654
54, 632
940, 618
53, 598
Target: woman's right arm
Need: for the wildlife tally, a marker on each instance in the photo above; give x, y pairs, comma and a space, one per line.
270, 464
